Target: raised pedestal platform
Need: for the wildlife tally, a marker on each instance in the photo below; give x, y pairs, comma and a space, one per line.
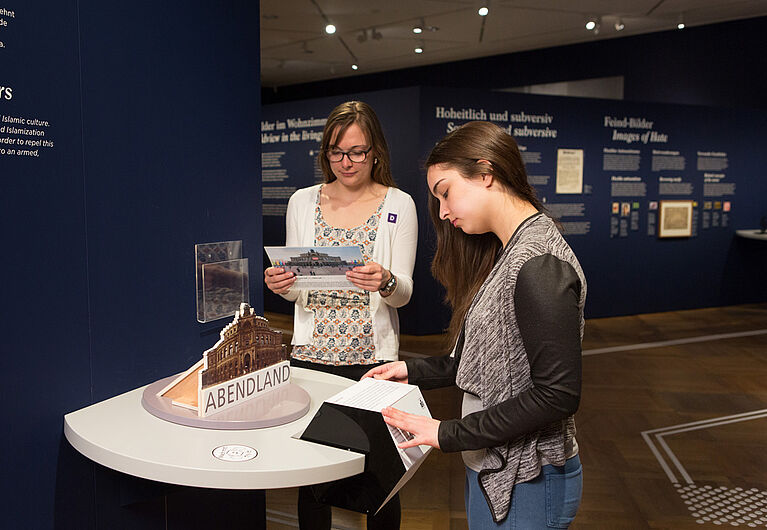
276, 407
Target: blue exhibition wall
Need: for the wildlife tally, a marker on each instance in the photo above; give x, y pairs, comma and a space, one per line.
46, 350
129, 133
634, 157
631, 157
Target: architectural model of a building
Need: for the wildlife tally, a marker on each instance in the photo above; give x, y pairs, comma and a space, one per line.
248, 359
247, 344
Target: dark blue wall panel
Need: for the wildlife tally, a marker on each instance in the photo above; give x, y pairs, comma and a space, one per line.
45, 347
153, 110
171, 159
638, 272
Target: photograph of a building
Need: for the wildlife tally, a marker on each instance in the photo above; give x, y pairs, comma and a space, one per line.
304, 261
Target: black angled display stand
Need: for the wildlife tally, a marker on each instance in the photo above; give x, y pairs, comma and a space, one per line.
365, 432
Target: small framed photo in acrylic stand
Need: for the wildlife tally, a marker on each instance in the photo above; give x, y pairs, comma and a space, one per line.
675, 219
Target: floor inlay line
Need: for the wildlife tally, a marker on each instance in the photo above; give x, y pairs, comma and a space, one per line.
718, 505
675, 342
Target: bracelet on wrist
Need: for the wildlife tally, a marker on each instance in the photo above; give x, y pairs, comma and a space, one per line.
389, 285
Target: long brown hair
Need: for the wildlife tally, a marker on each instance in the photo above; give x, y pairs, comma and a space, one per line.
362, 114
462, 262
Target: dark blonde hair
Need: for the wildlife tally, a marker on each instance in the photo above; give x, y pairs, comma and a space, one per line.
462, 262
365, 117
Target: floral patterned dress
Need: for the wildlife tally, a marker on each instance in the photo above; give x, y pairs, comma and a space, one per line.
343, 326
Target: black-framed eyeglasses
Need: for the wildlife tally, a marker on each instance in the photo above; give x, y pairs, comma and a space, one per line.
355, 155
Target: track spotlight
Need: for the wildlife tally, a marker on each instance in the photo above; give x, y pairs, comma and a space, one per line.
363, 36
483, 11
376, 34
418, 28
680, 22
330, 29
305, 48
619, 25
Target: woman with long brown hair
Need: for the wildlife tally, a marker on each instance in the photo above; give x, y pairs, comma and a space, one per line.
348, 331
517, 293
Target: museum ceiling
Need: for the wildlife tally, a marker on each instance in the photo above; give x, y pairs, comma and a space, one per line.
378, 36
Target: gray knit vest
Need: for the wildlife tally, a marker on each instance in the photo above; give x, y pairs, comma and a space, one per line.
494, 365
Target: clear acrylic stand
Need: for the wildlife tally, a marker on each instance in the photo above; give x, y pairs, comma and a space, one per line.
222, 279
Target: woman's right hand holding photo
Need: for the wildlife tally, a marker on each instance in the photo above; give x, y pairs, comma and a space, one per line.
278, 281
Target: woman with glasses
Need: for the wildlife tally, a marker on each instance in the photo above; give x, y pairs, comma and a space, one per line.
348, 332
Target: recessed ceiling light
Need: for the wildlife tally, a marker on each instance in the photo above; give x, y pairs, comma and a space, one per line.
594, 24
418, 49
483, 11
355, 67
330, 29
619, 25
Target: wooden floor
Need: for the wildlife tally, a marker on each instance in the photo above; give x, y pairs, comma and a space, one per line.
672, 428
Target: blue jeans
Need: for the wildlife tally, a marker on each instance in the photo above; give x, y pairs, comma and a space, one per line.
550, 500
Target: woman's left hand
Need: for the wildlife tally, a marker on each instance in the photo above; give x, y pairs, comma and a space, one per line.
368, 277
424, 429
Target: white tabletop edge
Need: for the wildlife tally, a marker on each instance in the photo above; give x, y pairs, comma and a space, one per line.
752, 233
149, 456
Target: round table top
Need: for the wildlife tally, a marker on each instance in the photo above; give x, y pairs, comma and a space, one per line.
118, 433
752, 233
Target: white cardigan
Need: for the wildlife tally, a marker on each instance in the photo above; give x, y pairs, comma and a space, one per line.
394, 249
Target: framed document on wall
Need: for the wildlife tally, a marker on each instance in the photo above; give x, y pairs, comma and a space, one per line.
569, 171
675, 219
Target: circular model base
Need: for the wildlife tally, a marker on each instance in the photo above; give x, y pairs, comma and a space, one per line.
277, 407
